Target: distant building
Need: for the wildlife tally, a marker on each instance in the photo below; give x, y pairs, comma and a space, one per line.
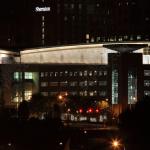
33, 23
118, 72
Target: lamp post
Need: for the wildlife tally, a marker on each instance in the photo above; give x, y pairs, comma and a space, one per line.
62, 98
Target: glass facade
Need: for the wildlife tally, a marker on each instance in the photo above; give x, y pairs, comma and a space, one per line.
132, 87
115, 86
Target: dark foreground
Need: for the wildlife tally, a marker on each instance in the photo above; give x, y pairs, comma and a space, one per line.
53, 135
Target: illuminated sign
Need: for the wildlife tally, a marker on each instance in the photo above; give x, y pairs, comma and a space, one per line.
42, 9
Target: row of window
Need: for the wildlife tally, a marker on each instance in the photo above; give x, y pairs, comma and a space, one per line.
27, 96
79, 5
27, 75
73, 73
80, 93
74, 83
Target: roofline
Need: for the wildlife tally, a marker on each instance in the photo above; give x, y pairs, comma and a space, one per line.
8, 52
80, 46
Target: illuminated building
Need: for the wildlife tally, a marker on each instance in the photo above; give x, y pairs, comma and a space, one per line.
119, 72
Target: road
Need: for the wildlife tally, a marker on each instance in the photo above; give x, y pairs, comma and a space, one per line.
91, 137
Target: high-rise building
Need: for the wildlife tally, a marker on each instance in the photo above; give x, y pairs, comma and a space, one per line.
30, 23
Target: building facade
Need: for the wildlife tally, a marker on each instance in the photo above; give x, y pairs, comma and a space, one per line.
120, 75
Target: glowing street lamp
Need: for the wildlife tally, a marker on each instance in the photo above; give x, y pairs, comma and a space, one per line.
60, 97
115, 144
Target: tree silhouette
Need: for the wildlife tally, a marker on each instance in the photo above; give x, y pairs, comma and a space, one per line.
23, 110
135, 125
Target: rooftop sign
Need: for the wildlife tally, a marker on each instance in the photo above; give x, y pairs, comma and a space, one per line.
42, 9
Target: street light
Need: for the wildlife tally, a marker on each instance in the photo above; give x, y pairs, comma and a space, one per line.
116, 144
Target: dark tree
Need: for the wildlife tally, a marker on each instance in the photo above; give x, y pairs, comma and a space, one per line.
135, 125
23, 110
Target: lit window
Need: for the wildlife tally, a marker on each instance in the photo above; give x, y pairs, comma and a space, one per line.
93, 93
87, 36
147, 83
120, 39
80, 73
43, 36
85, 73
27, 95
16, 75
43, 30
146, 72
44, 84
28, 75
92, 39
42, 74
56, 74
43, 24
51, 74
125, 37
147, 93
43, 18
90, 73
139, 37
83, 93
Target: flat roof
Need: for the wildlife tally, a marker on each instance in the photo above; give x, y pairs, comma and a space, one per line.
117, 46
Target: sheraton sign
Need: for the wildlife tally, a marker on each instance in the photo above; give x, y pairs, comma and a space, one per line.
42, 9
